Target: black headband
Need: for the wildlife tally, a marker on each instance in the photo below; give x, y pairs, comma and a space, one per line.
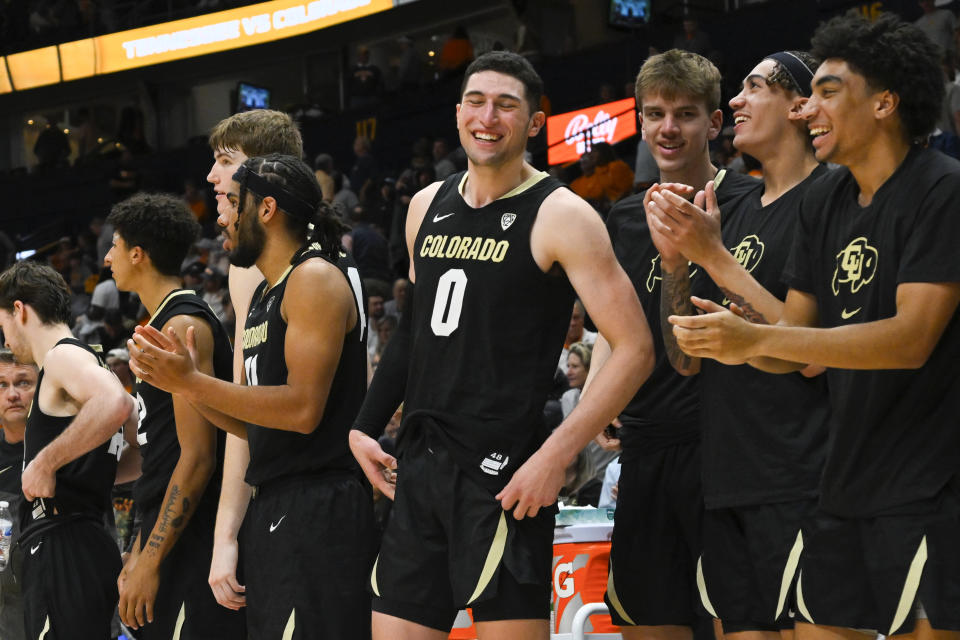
796, 68
287, 202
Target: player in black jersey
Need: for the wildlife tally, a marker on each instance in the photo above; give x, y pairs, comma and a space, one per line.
163, 585
308, 533
494, 252
764, 435
656, 537
874, 288
71, 447
233, 140
17, 385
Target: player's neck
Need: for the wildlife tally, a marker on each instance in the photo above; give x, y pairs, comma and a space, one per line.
875, 163
13, 432
485, 184
43, 337
155, 288
277, 253
696, 175
784, 170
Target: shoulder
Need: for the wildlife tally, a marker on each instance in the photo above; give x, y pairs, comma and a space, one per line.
242, 283
69, 360
734, 184
316, 280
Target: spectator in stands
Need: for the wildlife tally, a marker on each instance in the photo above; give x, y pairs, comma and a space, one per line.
376, 294
215, 293
442, 164
409, 68
343, 196
576, 332
386, 325
578, 366
119, 362
52, 147
937, 24
364, 169
456, 53
396, 306
323, 169
692, 38
369, 248
365, 82
606, 178
193, 276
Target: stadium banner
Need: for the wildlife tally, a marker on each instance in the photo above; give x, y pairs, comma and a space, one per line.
179, 39
570, 135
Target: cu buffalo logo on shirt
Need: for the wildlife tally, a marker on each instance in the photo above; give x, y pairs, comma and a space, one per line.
856, 266
749, 252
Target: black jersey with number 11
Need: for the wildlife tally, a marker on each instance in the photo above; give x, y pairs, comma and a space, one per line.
488, 327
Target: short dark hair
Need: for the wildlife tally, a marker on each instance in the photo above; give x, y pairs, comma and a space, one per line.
159, 224
892, 55
510, 64
782, 77
38, 285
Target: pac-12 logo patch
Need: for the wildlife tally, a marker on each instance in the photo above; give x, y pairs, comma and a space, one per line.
494, 463
507, 219
856, 266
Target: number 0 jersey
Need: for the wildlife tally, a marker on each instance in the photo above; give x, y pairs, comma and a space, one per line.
275, 453
157, 429
488, 327
84, 484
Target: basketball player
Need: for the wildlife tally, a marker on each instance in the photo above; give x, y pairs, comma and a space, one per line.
764, 435
308, 533
163, 586
17, 385
874, 286
656, 537
494, 252
71, 447
233, 140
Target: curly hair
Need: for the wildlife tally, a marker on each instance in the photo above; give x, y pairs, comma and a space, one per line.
295, 177
159, 224
782, 77
892, 55
39, 286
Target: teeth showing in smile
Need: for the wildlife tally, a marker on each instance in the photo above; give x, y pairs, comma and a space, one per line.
486, 136
671, 147
739, 119
819, 131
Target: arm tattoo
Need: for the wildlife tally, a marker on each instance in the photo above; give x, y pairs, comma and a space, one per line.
674, 300
749, 312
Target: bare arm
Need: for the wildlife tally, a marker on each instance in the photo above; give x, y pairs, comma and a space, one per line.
904, 341
313, 347
241, 283
103, 406
234, 499
568, 232
599, 356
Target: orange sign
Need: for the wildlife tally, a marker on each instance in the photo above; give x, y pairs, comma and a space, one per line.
197, 36
570, 134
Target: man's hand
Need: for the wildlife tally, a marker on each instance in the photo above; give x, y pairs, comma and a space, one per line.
138, 594
535, 484
223, 575
607, 441
378, 465
669, 251
720, 333
162, 359
39, 480
692, 228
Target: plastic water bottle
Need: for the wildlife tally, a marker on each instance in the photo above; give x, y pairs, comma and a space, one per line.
6, 533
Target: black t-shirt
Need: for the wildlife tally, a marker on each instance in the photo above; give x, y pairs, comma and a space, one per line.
665, 410
11, 466
894, 434
275, 453
487, 327
84, 484
764, 435
157, 429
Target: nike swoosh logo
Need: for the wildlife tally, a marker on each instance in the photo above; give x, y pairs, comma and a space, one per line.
33, 550
274, 526
6, 469
846, 315
438, 217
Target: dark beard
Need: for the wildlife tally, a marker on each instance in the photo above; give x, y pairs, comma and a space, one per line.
250, 243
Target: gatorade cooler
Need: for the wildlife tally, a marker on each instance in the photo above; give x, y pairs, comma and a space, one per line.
580, 554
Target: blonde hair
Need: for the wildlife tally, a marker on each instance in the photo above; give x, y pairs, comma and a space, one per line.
257, 133
676, 73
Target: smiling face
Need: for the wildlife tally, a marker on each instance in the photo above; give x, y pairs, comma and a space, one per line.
761, 113
17, 385
677, 130
225, 164
494, 119
841, 114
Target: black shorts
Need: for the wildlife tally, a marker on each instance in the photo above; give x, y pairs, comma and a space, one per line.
184, 598
749, 563
657, 539
450, 545
70, 582
308, 545
869, 573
